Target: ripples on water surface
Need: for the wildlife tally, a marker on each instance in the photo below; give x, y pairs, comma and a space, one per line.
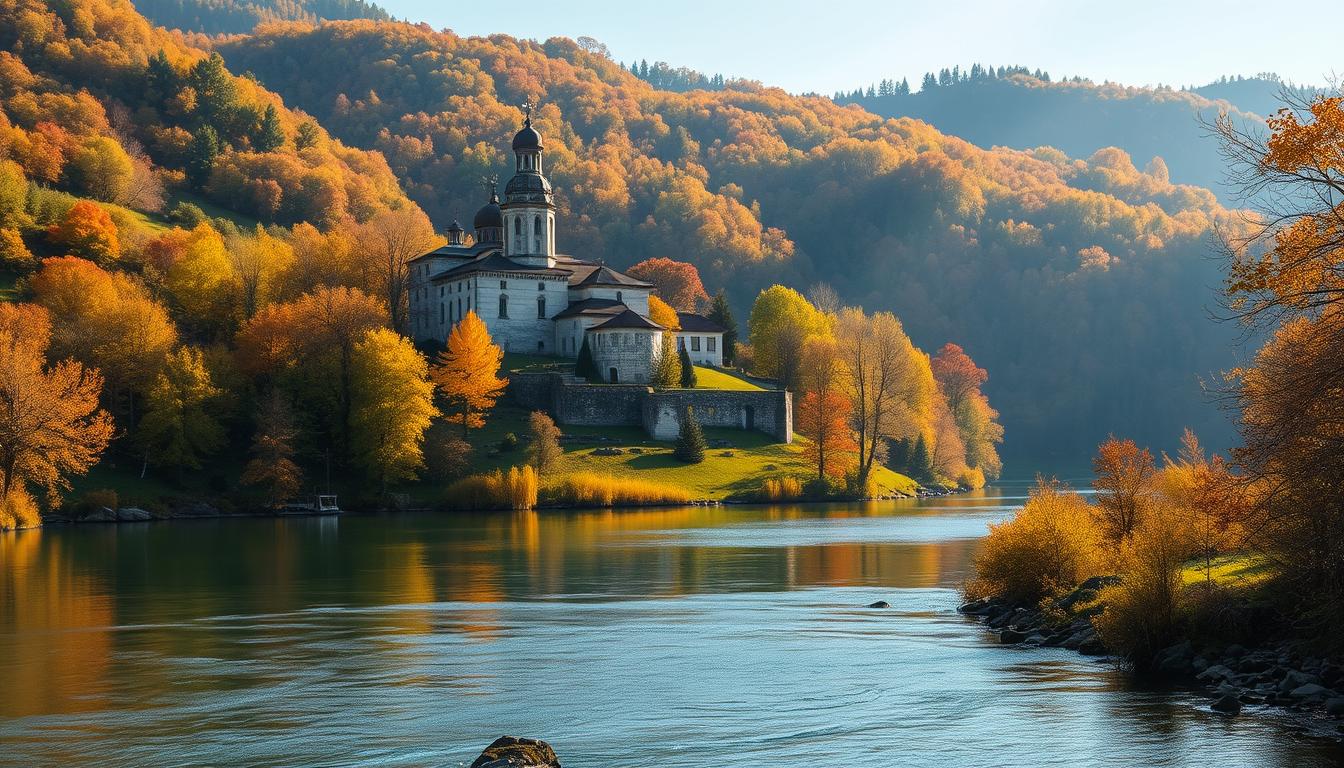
686, 637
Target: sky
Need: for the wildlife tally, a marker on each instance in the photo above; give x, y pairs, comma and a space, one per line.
829, 46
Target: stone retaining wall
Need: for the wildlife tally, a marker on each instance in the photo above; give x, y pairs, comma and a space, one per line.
574, 402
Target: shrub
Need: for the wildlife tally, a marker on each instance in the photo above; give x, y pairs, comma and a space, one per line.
94, 500
14, 254
187, 215
688, 380
690, 439
543, 448
588, 489
516, 489
47, 206
1053, 542
782, 489
447, 455
1141, 611
508, 443
19, 510
824, 487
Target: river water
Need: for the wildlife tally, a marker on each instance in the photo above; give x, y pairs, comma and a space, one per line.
671, 637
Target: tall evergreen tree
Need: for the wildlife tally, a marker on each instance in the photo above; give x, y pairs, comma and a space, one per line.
722, 314
921, 462
201, 155
270, 136
687, 370
586, 367
690, 439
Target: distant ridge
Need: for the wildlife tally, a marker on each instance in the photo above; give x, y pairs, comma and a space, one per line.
229, 17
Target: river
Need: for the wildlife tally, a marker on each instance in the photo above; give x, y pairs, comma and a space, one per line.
687, 637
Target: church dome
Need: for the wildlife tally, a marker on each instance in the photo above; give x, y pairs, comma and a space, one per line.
528, 138
527, 187
489, 215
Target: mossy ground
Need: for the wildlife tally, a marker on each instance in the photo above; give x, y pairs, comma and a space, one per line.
1237, 570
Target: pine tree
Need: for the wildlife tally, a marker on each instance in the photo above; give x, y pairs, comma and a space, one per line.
586, 366
306, 136
687, 370
690, 439
667, 368
270, 136
722, 315
921, 462
898, 454
201, 155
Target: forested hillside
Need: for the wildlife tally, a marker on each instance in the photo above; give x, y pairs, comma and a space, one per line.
1014, 107
1078, 284
235, 16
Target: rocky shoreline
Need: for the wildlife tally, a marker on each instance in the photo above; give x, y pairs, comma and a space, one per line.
1235, 678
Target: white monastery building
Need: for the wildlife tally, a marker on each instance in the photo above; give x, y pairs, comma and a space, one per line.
536, 301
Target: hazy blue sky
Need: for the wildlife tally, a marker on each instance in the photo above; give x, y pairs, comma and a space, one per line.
823, 46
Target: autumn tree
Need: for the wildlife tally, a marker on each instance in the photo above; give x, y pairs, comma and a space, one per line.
385, 246
722, 314
466, 373
781, 323
260, 261
179, 429
889, 383
107, 320
204, 281
50, 423
543, 447
87, 230
667, 368
959, 379
272, 468
101, 168
823, 413
14, 253
1124, 475
307, 346
393, 405
678, 282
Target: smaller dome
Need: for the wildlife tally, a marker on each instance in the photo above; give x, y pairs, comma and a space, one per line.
455, 227
528, 138
489, 215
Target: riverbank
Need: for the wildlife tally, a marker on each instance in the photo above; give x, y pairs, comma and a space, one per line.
1272, 674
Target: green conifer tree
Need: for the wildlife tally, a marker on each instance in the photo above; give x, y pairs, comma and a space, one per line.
722, 314
586, 366
921, 462
687, 370
690, 439
270, 136
201, 155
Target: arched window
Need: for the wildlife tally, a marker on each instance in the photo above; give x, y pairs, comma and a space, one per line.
518, 226
503, 306
541, 307
536, 234
618, 296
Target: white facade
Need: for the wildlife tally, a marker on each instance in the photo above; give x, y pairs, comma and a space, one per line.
626, 355
704, 347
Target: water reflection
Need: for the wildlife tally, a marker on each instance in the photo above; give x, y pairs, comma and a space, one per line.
683, 637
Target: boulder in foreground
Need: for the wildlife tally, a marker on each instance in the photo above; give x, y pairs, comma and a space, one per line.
517, 752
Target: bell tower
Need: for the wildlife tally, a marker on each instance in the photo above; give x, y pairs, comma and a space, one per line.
529, 205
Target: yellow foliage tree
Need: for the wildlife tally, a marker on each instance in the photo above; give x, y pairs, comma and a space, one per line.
392, 406
667, 368
178, 429
204, 280
466, 373
781, 322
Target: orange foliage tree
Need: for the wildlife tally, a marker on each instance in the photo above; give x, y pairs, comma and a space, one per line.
51, 425
1124, 476
678, 282
87, 230
824, 412
466, 373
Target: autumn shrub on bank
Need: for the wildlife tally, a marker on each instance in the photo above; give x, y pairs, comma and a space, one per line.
593, 490
1051, 543
18, 510
515, 489
782, 489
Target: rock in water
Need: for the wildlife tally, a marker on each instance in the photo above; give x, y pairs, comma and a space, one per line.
517, 752
880, 604
1228, 705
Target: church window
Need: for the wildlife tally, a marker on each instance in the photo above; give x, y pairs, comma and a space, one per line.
711, 344
541, 308
459, 308
504, 306
541, 286
518, 227
618, 296
440, 314
695, 343
440, 291
503, 284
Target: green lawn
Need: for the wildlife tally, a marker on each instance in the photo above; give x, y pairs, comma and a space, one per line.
1243, 569
736, 470
8, 291
714, 378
